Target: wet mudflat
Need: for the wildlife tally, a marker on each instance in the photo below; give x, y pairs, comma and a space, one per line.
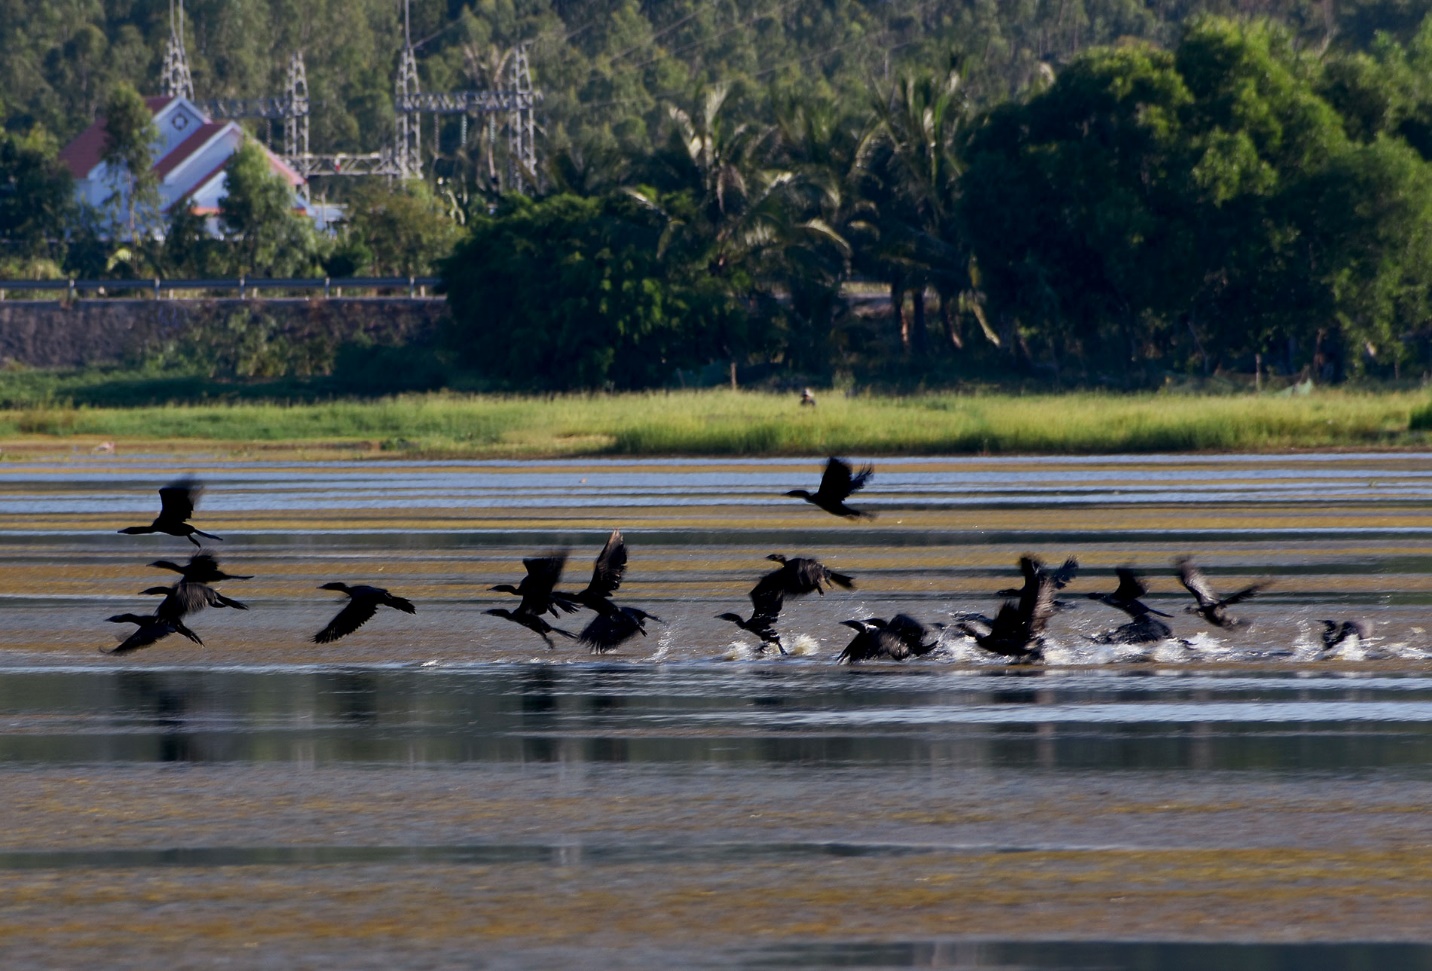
443, 791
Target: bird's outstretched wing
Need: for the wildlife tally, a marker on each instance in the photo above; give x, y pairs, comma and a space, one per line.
144, 636
839, 481
1196, 583
609, 568
1064, 574
1130, 586
177, 499
607, 631
353, 616
1238, 596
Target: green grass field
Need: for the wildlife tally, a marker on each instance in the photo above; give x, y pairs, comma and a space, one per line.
745, 423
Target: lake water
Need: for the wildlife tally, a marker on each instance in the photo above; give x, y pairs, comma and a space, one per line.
441, 790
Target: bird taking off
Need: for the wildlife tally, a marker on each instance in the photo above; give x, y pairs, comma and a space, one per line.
363, 603
607, 572
610, 630
538, 586
898, 638
797, 576
151, 630
203, 567
1336, 634
836, 486
1126, 596
1210, 606
176, 505
808, 398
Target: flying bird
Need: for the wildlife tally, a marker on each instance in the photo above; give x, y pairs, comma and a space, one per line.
187, 597
538, 587
798, 576
836, 486
1210, 606
1126, 596
151, 629
607, 572
1335, 634
766, 603
611, 629
1031, 567
899, 638
363, 603
202, 567
176, 505
1017, 630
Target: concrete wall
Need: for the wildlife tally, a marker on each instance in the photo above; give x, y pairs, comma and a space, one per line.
48, 334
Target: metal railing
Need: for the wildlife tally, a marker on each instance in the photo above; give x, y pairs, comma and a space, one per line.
246, 287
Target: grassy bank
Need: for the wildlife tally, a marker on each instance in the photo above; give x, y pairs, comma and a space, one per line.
738, 423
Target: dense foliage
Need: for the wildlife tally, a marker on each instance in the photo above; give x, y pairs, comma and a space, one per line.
1096, 191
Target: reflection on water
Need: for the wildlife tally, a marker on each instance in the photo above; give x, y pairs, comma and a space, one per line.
758, 812
1110, 720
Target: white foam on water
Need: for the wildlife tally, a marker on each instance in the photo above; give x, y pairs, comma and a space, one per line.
803, 645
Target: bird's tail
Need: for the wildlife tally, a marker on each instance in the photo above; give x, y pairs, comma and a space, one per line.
224, 601
403, 604
137, 530
200, 532
841, 579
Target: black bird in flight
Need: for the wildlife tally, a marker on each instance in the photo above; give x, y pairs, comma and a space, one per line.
836, 486
1017, 630
1334, 633
607, 572
532, 622
363, 603
611, 629
176, 505
186, 597
1210, 606
202, 567
1031, 567
1126, 596
766, 603
538, 587
798, 576
151, 630
901, 637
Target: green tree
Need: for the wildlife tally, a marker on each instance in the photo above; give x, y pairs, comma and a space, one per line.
266, 236
569, 292
129, 140
404, 231
36, 197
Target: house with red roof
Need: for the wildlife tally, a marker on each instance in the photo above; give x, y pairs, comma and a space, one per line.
189, 161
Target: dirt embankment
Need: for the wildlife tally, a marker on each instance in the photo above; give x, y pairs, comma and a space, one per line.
53, 334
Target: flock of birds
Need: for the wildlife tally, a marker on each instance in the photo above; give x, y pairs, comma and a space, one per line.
1016, 631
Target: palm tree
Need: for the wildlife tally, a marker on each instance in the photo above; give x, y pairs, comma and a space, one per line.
912, 169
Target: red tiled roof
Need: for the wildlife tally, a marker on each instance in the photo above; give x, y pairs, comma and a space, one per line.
181, 152
83, 154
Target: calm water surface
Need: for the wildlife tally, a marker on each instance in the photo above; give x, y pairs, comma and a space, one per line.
443, 791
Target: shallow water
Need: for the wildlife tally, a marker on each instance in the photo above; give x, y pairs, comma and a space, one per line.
443, 791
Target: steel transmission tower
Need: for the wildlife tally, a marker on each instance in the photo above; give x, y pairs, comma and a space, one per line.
408, 148
176, 81
521, 125
517, 101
